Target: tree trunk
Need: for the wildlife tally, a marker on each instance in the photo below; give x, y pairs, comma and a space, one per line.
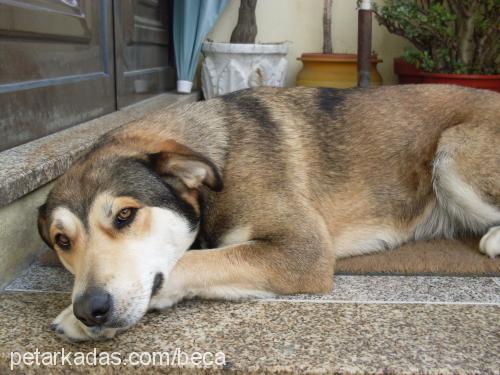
246, 28
466, 41
327, 26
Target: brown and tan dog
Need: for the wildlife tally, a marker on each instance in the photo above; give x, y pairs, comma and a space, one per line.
310, 175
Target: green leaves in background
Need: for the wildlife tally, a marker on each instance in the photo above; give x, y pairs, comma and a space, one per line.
450, 36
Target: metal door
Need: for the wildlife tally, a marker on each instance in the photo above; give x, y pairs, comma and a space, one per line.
56, 66
142, 49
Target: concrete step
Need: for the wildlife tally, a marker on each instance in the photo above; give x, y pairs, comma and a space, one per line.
368, 324
347, 288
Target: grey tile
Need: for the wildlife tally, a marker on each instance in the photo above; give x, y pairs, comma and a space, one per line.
42, 278
404, 289
410, 289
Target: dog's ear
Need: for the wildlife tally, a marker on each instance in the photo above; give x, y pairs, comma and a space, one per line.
42, 224
192, 168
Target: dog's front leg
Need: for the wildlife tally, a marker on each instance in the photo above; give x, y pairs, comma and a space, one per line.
253, 269
69, 328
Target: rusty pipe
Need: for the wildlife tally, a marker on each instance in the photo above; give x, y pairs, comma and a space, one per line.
364, 43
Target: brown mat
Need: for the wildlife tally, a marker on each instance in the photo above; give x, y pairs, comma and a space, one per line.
436, 257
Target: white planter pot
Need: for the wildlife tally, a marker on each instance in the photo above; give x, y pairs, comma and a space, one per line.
230, 67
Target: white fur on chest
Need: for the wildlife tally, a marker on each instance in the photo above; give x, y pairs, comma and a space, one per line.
236, 236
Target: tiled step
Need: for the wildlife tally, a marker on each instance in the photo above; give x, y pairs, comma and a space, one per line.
279, 336
347, 288
368, 324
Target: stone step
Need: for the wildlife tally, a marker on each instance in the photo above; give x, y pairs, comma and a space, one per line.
276, 336
368, 324
347, 288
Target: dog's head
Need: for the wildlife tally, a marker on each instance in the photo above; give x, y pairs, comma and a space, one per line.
119, 220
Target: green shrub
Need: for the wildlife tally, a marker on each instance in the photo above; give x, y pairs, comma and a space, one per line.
450, 36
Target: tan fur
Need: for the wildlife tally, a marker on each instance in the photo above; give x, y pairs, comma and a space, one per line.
391, 121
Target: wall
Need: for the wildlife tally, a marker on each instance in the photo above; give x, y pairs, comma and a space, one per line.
300, 23
19, 238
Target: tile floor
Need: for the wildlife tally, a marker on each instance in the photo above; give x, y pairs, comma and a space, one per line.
368, 324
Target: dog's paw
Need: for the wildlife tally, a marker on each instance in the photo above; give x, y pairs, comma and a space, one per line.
70, 329
490, 243
164, 301
169, 294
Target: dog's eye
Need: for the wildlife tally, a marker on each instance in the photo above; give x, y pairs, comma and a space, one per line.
63, 241
125, 216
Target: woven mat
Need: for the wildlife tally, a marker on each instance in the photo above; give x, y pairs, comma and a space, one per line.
436, 257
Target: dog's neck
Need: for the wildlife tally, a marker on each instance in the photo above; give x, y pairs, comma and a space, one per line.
205, 134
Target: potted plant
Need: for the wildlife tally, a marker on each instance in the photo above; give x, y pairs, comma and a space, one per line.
456, 41
242, 63
330, 69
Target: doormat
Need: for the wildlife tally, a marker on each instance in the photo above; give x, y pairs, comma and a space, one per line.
433, 257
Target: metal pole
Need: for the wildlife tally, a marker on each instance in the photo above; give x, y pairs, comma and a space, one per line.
364, 43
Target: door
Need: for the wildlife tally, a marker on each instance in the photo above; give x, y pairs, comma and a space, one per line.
143, 49
56, 66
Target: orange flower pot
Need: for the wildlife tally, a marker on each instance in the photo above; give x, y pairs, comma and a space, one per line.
333, 70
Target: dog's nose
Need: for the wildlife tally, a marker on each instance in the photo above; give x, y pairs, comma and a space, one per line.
93, 308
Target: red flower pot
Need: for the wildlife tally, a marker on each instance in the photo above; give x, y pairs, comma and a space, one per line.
408, 73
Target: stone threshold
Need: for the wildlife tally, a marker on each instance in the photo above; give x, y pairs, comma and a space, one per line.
29, 166
346, 289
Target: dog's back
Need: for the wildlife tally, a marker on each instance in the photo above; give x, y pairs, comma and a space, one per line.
373, 163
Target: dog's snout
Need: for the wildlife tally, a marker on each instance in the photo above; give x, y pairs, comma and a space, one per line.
93, 308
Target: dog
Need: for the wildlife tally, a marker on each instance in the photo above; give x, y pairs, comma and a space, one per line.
266, 188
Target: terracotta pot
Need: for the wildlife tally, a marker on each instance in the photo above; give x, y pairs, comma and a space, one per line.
333, 70
408, 73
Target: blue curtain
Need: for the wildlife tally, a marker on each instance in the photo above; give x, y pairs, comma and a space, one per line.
193, 19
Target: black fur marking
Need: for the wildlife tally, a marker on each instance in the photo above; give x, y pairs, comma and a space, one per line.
42, 210
329, 124
125, 177
252, 121
330, 100
157, 283
251, 106
254, 108
149, 188
42, 224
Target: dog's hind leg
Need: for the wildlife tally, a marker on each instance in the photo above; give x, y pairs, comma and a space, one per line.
466, 181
